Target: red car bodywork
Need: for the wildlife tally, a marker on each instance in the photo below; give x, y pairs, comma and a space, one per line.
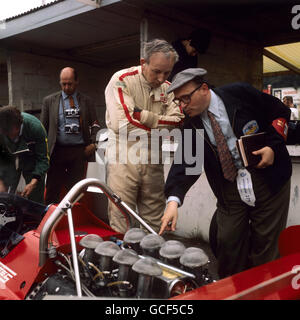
21, 269
276, 280
21, 266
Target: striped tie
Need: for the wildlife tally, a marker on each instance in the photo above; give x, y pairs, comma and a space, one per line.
71, 101
228, 167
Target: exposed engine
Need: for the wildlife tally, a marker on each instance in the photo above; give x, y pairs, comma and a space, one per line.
141, 266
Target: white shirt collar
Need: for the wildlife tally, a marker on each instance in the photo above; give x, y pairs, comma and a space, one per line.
214, 104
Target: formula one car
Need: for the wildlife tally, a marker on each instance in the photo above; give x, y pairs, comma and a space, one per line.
68, 250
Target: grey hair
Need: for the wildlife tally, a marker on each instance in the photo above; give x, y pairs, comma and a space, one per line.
159, 45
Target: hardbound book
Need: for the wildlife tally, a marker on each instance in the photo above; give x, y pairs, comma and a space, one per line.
249, 143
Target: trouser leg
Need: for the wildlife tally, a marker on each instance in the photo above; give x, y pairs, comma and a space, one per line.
75, 167
56, 176
268, 219
248, 236
232, 239
124, 181
67, 167
151, 198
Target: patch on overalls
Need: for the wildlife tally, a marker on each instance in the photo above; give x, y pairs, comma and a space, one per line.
250, 127
163, 98
121, 84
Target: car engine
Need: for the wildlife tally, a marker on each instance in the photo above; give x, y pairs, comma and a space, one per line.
141, 266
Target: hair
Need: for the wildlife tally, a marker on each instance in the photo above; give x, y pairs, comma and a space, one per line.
288, 98
9, 117
159, 45
198, 80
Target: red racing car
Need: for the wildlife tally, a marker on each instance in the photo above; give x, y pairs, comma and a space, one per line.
67, 250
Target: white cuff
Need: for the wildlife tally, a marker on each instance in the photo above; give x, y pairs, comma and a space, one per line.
174, 198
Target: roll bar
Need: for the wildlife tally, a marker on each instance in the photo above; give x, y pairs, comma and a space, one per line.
69, 200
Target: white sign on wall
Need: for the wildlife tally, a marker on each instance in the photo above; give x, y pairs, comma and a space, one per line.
280, 93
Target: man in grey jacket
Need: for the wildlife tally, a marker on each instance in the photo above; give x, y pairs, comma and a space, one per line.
71, 123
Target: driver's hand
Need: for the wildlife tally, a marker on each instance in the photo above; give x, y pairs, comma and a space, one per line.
169, 218
29, 188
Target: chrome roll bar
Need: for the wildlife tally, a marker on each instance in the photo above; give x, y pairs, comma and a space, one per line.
69, 200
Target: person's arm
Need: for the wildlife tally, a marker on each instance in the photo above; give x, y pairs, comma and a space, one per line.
179, 181
269, 110
275, 115
170, 217
29, 187
171, 115
45, 114
41, 152
271, 114
121, 107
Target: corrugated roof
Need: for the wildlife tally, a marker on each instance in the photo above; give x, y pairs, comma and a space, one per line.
289, 53
272, 66
33, 10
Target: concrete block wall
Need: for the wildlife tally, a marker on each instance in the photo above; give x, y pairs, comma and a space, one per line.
227, 59
3, 85
33, 77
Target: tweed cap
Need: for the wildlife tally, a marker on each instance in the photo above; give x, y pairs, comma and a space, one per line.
185, 76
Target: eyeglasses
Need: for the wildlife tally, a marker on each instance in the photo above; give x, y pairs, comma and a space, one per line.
186, 99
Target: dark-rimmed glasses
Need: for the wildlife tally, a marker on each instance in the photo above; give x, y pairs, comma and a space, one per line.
186, 99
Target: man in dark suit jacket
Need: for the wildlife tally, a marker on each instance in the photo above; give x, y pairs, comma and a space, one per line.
249, 219
71, 123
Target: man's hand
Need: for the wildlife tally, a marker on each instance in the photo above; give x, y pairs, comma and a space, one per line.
29, 188
267, 157
169, 218
2, 187
89, 150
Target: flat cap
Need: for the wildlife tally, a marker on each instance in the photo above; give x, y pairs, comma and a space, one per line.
185, 76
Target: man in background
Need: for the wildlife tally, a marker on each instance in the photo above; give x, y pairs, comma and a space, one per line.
289, 102
188, 48
23, 150
70, 120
